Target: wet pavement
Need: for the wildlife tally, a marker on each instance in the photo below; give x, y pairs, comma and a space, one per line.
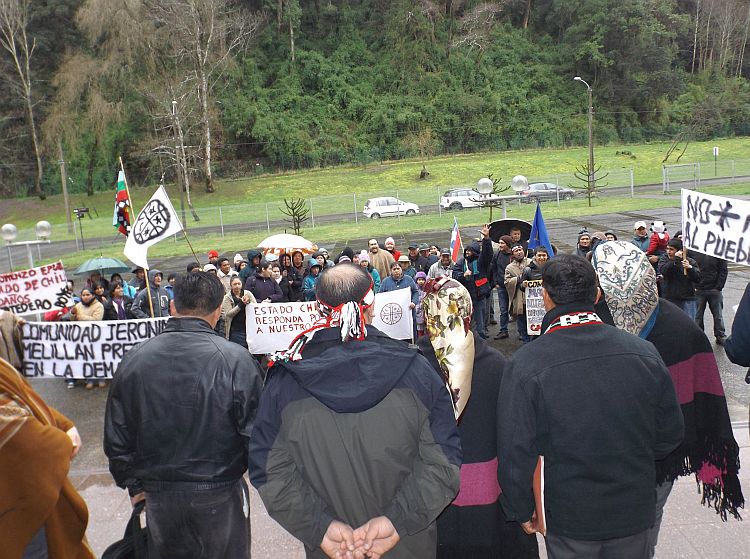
689, 530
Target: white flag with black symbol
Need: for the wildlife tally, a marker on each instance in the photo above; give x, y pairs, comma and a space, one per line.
392, 314
155, 222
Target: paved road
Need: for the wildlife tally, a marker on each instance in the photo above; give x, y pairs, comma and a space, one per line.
689, 530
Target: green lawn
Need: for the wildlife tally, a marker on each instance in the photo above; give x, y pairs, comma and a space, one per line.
468, 220
334, 190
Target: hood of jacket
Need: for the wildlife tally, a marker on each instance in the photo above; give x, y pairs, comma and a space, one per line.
351, 377
252, 253
473, 251
152, 274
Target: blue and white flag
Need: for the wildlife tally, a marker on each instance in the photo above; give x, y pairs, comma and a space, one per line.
539, 235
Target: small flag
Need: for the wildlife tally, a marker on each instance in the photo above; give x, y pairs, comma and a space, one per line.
156, 221
121, 219
539, 235
455, 241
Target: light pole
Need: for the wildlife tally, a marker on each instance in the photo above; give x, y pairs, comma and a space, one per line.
591, 131
10, 232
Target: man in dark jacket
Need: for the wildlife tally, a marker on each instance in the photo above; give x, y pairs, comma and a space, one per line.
571, 408
355, 440
680, 275
417, 260
254, 256
177, 425
499, 262
264, 288
473, 271
708, 291
141, 307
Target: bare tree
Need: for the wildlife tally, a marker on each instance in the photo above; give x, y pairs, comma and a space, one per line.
14, 39
297, 210
591, 180
476, 25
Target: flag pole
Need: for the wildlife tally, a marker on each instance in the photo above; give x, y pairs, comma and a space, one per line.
148, 286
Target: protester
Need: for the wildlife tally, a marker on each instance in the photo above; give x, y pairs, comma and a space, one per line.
233, 311
263, 287
127, 289
193, 267
381, 260
169, 288
416, 260
95, 277
499, 262
298, 263
708, 291
355, 442
424, 252
641, 240
516, 296
42, 513
254, 257
139, 281
213, 258
473, 526
159, 298
364, 261
584, 243
679, 274
406, 267
311, 280
225, 273
177, 434
533, 272
89, 309
629, 285
118, 305
420, 279
610, 235
390, 246
210, 268
599, 415
11, 338
282, 283
290, 275
398, 280
515, 237
100, 292
443, 267
473, 271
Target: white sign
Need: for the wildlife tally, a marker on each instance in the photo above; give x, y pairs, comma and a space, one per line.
392, 314
716, 225
534, 308
156, 221
716, 151
83, 350
35, 290
272, 327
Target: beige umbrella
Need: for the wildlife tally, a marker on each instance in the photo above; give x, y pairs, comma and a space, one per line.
284, 242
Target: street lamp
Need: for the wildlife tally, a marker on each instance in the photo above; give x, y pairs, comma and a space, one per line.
591, 130
9, 233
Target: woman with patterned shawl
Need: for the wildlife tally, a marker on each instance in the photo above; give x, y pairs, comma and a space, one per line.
41, 515
473, 526
709, 449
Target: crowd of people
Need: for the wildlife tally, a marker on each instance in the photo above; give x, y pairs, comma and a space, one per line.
351, 438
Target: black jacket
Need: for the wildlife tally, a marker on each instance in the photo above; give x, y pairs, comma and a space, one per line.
186, 419
478, 284
499, 262
264, 288
601, 416
110, 312
714, 272
676, 285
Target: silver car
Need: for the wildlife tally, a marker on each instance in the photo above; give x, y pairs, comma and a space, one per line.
541, 191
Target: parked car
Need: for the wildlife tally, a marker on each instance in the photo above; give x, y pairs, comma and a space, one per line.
460, 198
376, 208
546, 191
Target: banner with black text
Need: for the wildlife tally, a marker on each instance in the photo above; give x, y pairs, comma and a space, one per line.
36, 290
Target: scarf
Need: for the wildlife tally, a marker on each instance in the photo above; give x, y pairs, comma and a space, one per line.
708, 450
34, 460
447, 315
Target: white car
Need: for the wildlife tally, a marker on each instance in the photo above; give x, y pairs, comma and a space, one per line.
376, 208
460, 198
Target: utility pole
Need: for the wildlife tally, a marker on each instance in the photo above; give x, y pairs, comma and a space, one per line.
590, 91
64, 180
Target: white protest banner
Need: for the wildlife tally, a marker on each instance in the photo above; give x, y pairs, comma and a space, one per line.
35, 290
392, 314
534, 307
272, 326
156, 221
84, 350
716, 225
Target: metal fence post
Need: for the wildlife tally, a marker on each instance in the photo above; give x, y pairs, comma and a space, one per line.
75, 234
732, 171
632, 183
268, 220
440, 207
312, 213
221, 222
356, 217
664, 180
699, 176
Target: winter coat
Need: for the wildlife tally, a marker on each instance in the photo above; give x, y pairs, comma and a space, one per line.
249, 270
159, 298
641, 242
110, 311
714, 272
499, 262
567, 396
512, 280
677, 286
478, 284
406, 282
308, 286
264, 288
210, 387
95, 311
229, 310
353, 431
737, 345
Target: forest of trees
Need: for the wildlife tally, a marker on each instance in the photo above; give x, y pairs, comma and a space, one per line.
196, 90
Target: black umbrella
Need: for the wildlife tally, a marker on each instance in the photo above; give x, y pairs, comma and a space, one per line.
503, 226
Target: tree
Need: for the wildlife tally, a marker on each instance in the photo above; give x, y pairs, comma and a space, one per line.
591, 180
14, 25
296, 209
